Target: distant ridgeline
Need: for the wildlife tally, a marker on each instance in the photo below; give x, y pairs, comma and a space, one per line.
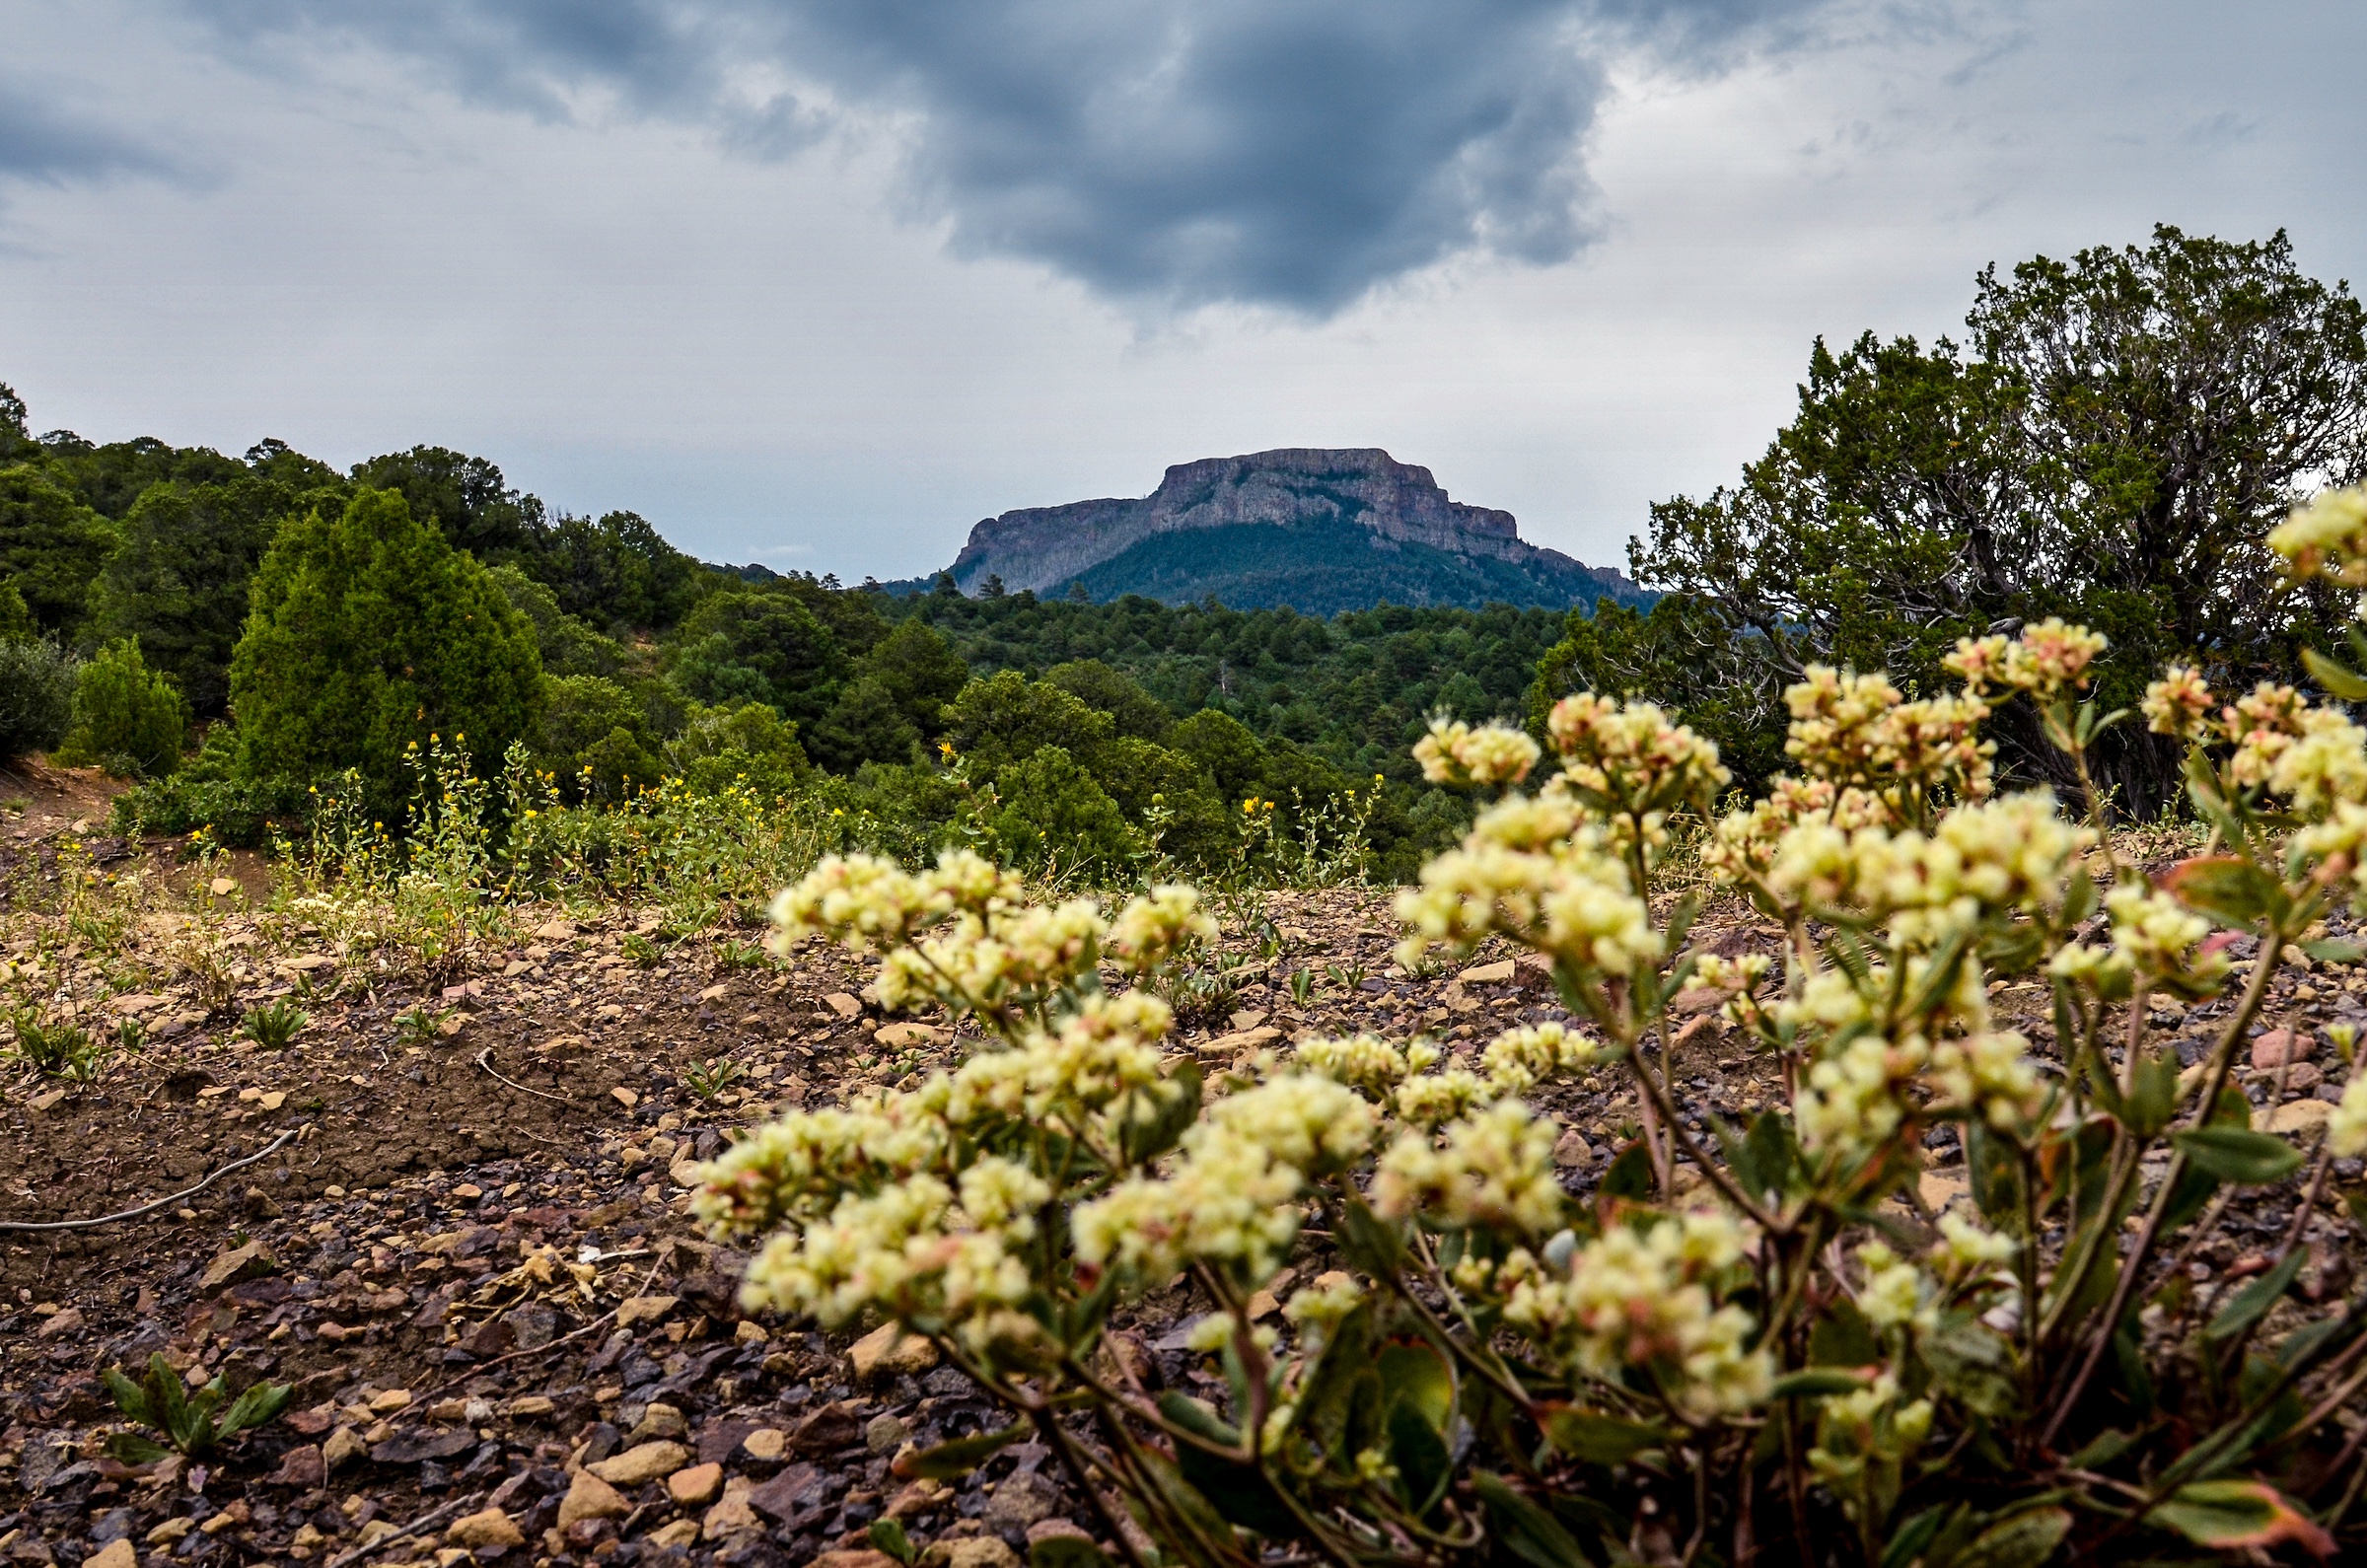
1317, 530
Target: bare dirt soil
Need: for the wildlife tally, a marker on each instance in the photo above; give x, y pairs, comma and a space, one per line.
471, 1255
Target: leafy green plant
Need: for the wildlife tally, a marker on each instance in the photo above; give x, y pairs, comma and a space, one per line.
708, 1078
129, 719
274, 1024
36, 695
732, 954
61, 1050
188, 1422
419, 1025
1746, 1345
643, 952
1302, 985
1346, 976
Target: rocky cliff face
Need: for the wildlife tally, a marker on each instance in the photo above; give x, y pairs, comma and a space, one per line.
1044, 547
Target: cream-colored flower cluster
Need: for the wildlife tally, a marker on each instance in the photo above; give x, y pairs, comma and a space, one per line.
1632, 757
1459, 754
1643, 1298
2010, 856
889, 1202
1858, 730
1228, 1200
1535, 870
2346, 1128
2314, 756
1493, 1170
1895, 1293
962, 934
2045, 661
2328, 538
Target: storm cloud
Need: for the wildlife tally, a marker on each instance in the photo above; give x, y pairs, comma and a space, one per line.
1286, 152
45, 139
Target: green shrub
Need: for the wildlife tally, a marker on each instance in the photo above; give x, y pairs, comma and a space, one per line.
129, 719
589, 722
239, 813
1053, 811
751, 745
36, 695
759, 647
370, 634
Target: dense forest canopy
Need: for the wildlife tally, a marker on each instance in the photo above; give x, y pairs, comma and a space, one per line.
312, 621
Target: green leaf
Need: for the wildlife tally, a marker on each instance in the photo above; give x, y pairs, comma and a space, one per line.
1815, 1383
2100, 1451
1199, 1417
1629, 1175
1415, 1373
1424, 1466
130, 1447
961, 1456
2335, 952
2227, 887
1241, 1493
1525, 1530
1065, 1552
2239, 1155
888, 1535
127, 1396
2251, 1304
1600, 1439
259, 1404
1178, 1103
1371, 1245
1764, 1158
1842, 1337
2153, 1096
2024, 1540
2338, 680
1996, 1177
2228, 1516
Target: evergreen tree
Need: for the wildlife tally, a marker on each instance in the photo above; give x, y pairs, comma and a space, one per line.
129, 719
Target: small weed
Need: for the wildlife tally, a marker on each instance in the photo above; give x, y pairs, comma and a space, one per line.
162, 1402
58, 1050
1197, 995
275, 1025
643, 952
418, 1026
737, 955
129, 1036
708, 1078
1301, 986
1347, 976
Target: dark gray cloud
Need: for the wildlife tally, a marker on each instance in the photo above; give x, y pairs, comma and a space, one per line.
42, 139
1293, 153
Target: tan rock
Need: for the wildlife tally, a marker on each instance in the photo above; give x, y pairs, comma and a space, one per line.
624, 1096
170, 1531
861, 1557
2295, 1115
1249, 1017
390, 1402
635, 1309
657, 1420
46, 1102
730, 1516
116, 1553
976, 1552
133, 1006
1939, 1188
489, 1526
642, 1463
343, 1447
274, 1100
712, 992
58, 1325
221, 888
698, 1484
1495, 974
887, 1352
681, 1532
555, 930
902, 1036
843, 1004
766, 1444
916, 1497
589, 1497
1240, 1039
1572, 1150
240, 1262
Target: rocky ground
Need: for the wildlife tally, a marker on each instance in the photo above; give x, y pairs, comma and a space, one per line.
467, 1249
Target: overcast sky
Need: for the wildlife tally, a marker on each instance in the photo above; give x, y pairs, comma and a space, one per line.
822, 282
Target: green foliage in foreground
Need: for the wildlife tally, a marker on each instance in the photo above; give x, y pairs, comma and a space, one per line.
193, 1424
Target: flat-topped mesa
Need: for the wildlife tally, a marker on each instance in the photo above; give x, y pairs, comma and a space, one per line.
1043, 547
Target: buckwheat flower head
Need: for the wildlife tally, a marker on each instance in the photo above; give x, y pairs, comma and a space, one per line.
2106, 972
1632, 757
2162, 939
2338, 842
1981, 661
1366, 1062
1320, 1309
2327, 763
1456, 754
1003, 1194
1966, 1248
1519, 1059
2346, 1128
861, 901
966, 881
2326, 538
2180, 703
1895, 1293
2263, 725
1571, 898
1496, 1170
1857, 1093
2052, 657
1432, 1100
1153, 930
1836, 729
1990, 1074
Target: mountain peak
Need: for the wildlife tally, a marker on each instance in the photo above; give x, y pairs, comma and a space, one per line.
1295, 509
